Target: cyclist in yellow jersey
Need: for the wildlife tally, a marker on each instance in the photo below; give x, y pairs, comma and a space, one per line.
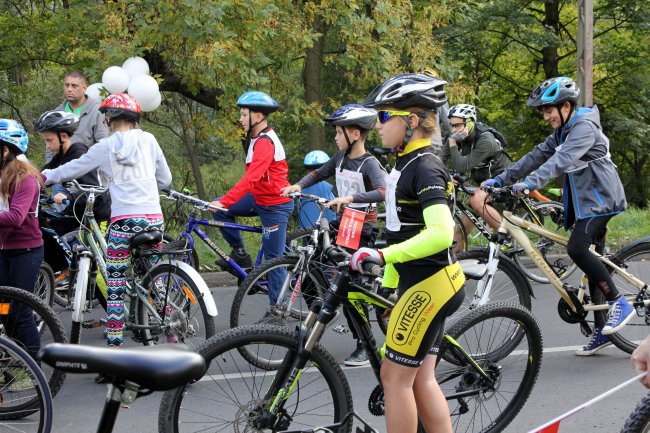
419, 261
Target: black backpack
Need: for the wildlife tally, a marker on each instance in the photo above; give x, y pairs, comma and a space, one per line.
482, 127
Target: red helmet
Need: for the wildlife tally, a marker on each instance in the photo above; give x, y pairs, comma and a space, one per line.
121, 106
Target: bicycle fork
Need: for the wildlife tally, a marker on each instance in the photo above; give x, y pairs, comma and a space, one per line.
484, 285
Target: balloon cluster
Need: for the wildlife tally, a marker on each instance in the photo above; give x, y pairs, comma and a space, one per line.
132, 77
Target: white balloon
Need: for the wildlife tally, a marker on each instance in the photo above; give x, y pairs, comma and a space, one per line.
136, 66
115, 79
152, 105
144, 89
94, 91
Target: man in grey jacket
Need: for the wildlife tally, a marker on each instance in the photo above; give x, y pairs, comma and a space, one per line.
593, 192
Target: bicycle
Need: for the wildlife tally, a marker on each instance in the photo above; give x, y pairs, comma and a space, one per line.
185, 239
129, 373
545, 213
270, 378
639, 420
167, 299
25, 398
47, 322
629, 267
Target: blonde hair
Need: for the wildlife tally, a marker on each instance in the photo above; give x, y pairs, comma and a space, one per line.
429, 125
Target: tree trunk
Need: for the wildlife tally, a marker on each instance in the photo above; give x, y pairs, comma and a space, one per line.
549, 53
312, 77
191, 146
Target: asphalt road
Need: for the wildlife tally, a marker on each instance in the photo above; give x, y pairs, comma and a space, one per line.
565, 381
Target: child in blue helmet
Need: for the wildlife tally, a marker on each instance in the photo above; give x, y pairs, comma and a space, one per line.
309, 211
21, 242
593, 192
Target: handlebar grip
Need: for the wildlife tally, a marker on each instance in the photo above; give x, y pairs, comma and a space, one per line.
372, 269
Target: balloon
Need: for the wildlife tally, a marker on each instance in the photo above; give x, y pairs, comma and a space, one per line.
115, 79
152, 105
136, 66
94, 91
144, 89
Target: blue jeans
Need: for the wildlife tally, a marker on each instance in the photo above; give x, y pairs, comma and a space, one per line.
274, 222
20, 269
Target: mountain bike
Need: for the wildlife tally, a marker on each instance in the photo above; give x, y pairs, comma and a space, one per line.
48, 324
630, 269
639, 420
129, 373
549, 214
271, 378
168, 299
185, 239
25, 398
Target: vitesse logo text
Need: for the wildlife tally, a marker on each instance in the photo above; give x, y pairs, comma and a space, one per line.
410, 314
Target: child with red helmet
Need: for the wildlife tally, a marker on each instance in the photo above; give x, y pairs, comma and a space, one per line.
133, 162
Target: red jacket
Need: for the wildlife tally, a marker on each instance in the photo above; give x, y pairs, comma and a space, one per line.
267, 172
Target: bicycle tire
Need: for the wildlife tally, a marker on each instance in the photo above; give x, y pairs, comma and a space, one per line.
639, 419
509, 285
31, 396
551, 215
251, 300
485, 333
50, 328
45, 285
321, 396
636, 261
298, 236
463, 233
61, 290
191, 258
189, 320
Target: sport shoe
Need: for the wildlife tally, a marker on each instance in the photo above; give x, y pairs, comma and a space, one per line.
620, 313
271, 318
598, 341
358, 357
240, 256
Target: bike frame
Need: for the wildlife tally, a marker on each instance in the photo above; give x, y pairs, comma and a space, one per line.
515, 226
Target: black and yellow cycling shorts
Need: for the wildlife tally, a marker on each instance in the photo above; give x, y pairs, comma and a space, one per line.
417, 322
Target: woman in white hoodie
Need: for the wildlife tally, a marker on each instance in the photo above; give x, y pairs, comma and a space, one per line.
136, 169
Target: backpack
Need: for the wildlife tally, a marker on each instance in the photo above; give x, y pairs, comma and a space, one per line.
487, 170
482, 127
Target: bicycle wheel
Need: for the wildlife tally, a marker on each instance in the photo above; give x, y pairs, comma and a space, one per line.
26, 398
464, 243
61, 287
251, 300
298, 238
231, 395
508, 285
635, 261
551, 216
639, 419
486, 334
45, 284
50, 327
191, 258
185, 318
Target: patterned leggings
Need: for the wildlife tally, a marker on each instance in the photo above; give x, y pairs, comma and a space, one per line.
120, 233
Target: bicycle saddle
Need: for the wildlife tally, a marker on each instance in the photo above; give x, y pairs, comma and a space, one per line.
156, 368
150, 238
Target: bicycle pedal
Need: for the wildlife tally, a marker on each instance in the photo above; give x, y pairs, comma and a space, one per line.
341, 329
585, 329
91, 323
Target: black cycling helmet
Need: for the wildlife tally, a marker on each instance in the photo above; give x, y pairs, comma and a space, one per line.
57, 121
409, 90
553, 92
353, 115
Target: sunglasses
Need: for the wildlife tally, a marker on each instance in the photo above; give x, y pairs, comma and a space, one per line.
385, 115
457, 125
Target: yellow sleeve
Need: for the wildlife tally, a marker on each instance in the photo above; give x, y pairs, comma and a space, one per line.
437, 235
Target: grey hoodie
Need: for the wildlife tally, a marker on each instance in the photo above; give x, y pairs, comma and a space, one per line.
134, 165
580, 152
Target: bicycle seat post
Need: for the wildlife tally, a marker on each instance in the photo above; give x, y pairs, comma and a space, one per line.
114, 398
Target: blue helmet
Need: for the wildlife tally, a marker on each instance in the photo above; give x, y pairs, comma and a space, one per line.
13, 134
316, 158
554, 91
258, 101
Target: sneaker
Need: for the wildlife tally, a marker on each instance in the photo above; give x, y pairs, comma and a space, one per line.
271, 318
240, 256
358, 357
620, 313
598, 341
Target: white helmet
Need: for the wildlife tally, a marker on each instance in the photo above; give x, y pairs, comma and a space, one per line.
464, 111
409, 90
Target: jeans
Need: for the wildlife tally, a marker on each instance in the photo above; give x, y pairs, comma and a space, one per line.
274, 222
20, 269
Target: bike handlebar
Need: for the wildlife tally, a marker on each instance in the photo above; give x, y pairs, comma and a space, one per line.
315, 198
88, 189
195, 202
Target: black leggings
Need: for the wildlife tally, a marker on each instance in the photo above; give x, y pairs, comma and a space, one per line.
587, 232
